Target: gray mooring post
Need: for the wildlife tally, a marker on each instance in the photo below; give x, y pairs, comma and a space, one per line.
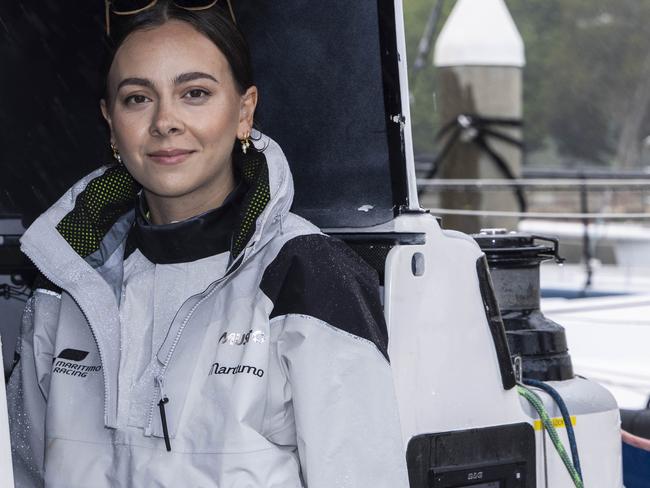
479, 56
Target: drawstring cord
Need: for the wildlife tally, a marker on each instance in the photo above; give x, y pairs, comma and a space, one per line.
163, 417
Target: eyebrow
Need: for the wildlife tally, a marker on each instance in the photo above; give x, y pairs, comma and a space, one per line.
180, 79
193, 75
135, 81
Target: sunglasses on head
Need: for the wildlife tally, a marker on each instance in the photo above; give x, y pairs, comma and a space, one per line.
132, 7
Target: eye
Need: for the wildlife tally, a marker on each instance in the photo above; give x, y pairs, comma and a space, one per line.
135, 99
197, 93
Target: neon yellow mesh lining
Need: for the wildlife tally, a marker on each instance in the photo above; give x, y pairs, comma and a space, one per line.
256, 174
102, 202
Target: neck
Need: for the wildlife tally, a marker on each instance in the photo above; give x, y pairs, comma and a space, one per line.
165, 210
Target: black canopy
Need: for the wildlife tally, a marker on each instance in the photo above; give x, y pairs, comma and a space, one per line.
328, 80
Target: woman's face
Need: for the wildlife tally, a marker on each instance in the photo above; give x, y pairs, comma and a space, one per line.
175, 112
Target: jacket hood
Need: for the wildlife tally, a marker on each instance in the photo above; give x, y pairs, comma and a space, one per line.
93, 217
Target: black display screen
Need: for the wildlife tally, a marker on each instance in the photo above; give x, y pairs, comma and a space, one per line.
489, 484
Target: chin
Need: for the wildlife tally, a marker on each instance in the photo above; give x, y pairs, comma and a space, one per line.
169, 191
168, 187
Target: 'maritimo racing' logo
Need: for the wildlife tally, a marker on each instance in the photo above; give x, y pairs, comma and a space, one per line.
67, 362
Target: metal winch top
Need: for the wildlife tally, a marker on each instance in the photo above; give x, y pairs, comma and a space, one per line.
515, 248
514, 259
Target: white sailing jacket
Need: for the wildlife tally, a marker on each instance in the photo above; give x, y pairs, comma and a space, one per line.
273, 376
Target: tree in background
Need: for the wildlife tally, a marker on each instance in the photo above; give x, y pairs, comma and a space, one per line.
586, 82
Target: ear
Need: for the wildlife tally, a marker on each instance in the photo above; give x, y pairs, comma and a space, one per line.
247, 111
107, 116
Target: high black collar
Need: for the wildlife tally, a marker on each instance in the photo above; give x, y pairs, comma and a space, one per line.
196, 238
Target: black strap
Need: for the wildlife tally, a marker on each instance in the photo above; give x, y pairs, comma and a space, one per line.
484, 128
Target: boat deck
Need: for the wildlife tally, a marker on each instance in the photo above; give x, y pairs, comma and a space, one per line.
608, 331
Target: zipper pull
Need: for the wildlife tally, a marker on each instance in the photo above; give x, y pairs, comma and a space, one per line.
163, 417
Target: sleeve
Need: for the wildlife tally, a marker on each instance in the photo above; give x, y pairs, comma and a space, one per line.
28, 388
332, 349
347, 424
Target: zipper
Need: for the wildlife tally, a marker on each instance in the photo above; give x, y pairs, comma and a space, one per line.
30, 251
163, 417
85, 314
162, 398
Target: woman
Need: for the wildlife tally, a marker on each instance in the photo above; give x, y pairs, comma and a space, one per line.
189, 330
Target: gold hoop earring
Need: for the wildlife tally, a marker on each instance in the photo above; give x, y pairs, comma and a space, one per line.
245, 142
116, 153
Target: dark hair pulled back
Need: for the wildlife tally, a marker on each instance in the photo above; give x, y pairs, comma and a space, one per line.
214, 23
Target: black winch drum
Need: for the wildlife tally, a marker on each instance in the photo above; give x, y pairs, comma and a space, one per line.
514, 260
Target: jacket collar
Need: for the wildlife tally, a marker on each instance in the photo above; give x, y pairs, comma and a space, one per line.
196, 238
94, 217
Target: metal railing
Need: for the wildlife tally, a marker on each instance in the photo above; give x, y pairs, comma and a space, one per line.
582, 182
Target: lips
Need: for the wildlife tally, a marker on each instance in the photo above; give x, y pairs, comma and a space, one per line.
170, 156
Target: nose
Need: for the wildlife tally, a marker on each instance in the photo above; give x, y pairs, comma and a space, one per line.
165, 122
